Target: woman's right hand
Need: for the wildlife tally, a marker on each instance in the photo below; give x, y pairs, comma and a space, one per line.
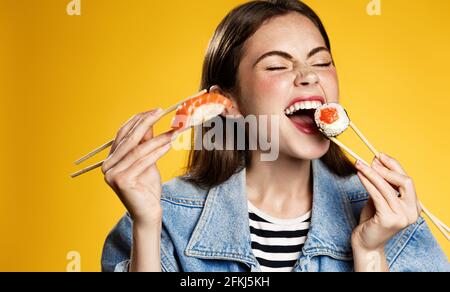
130, 169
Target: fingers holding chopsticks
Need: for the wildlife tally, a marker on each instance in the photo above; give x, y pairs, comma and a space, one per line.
139, 152
140, 166
127, 127
130, 124
378, 201
380, 184
394, 174
386, 181
392, 214
131, 136
392, 163
131, 169
391, 170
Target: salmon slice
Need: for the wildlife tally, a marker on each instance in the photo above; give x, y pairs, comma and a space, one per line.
200, 109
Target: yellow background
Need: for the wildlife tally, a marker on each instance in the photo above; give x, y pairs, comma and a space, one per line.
67, 83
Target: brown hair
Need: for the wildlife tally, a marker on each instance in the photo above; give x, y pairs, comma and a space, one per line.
211, 168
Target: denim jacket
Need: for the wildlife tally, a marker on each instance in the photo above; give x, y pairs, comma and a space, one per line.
208, 230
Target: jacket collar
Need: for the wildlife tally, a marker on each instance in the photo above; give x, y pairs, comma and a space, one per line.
223, 230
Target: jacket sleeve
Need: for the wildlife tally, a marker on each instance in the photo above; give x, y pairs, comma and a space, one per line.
421, 253
117, 248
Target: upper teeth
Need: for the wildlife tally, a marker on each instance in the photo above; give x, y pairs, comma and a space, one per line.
303, 105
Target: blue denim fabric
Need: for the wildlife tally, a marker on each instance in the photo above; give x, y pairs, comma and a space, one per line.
208, 230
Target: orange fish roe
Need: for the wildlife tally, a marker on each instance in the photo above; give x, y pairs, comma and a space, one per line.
329, 115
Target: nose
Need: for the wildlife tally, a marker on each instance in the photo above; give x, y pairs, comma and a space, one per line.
306, 76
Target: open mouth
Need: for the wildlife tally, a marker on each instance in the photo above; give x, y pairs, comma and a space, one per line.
303, 109
302, 115
302, 112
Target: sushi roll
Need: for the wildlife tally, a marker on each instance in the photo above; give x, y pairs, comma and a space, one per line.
332, 119
200, 109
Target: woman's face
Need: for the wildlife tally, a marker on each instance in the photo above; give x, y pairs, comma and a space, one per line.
284, 60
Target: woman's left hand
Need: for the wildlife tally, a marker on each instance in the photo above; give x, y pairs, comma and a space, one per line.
386, 213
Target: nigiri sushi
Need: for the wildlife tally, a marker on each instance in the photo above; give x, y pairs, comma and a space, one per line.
332, 119
200, 109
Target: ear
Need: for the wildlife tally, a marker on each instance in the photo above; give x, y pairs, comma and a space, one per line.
233, 113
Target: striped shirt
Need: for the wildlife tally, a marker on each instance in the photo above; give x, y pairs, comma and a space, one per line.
277, 243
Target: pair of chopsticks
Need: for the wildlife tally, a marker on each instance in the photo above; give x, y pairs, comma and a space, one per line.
439, 224
110, 143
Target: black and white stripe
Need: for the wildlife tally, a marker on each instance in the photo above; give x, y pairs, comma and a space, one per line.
277, 243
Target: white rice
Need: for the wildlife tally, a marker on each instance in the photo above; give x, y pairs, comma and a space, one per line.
336, 128
205, 113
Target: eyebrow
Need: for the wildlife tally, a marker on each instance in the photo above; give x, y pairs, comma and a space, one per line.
287, 56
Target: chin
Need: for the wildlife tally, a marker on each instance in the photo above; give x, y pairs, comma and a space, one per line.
309, 151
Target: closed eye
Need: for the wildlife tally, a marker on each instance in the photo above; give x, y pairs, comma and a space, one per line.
323, 65
276, 68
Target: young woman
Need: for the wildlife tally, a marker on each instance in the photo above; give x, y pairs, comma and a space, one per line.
309, 210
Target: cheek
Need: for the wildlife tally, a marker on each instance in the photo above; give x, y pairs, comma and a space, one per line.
263, 93
274, 84
330, 83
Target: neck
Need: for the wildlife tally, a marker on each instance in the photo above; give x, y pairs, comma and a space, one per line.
282, 188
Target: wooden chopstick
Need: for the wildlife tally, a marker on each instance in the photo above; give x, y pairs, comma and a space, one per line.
437, 219
94, 152
108, 144
87, 169
348, 150
100, 164
364, 139
439, 224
